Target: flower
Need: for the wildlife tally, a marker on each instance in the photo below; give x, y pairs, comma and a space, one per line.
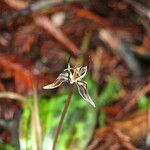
73, 75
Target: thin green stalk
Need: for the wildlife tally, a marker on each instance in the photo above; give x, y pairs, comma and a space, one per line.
36, 118
63, 116
33, 132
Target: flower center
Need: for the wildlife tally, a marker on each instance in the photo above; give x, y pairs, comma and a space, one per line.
74, 77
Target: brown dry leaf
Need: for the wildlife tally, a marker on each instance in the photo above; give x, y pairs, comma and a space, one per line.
21, 76
144, 49
103, 22
17, 4
133, 99
91, 16
123, 139
46, 24
128, 131
24, 38
135, 127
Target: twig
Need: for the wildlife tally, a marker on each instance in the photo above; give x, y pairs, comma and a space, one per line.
46, 24
12, 95
135, 95
44, 5
125, 50
101, 21
122, 47
124, 139
141, 10
25, 10
63, 115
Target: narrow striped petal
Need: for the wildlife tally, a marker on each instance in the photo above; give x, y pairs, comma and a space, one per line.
63, 77
83, 71
82, 88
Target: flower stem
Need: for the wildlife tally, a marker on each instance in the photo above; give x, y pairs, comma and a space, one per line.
63, 115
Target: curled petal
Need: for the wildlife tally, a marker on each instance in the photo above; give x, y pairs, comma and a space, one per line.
61, 78
69, 69
83, 71
64, 75
82, 88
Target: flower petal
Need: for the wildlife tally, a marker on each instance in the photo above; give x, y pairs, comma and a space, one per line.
82, 88
69, 69
83, 71
61, 78
64, 75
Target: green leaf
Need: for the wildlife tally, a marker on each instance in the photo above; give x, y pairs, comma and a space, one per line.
7, 147
143, 102
80, 116
25, 126
109, 93
102, 119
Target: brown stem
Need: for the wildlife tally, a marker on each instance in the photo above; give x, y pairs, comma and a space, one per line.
63, 115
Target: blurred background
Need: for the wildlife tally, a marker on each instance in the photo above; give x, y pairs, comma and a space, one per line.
111, 38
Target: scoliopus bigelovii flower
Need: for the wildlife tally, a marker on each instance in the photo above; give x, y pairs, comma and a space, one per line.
73, 75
